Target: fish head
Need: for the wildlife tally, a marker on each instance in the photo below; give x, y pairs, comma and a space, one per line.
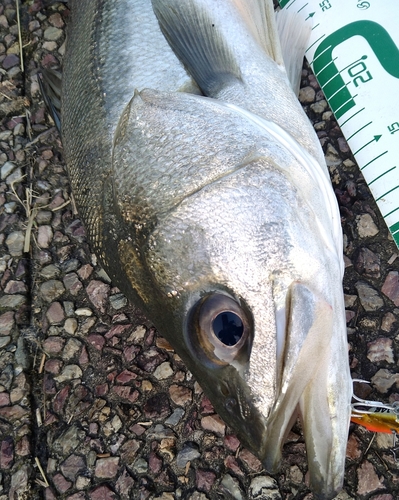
259, 336
226, 254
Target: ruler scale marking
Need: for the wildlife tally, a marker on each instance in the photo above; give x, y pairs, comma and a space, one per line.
354, 52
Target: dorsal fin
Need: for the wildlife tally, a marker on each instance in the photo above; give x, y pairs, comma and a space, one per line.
294, 32
260, 20
197, 42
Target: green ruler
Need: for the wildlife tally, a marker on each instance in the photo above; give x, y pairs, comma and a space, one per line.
354, 53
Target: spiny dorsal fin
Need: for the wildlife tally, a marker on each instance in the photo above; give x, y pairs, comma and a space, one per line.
294, 33
197, 42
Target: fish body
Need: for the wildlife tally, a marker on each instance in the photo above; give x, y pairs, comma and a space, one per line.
215, 214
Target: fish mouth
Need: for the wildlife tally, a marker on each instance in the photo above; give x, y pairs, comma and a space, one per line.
306, 390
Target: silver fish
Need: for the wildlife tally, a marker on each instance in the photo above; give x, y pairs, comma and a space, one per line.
215, 214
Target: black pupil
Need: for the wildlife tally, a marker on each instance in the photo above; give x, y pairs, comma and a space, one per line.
228, 328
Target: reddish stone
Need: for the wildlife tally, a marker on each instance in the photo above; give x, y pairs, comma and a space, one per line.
101, 390
353, 450
157, 406
232, 442
85, 271
53, 366
213, 423
124, 485
349, 316
206, 406
126, 392
368, 480
72, 283
149, 338
180, 394
84, 357
138, 429
7, 453
102, 493
53, 345
250, 460
106, 468
125, 377
117, 330
77, 496
204, 479
61, 484
55, 314
98, 293
13, 413
73, 465
149, 360
60, 398
231, 463
4, 399
6, 323
96, 341
14, 287
56, 20
131, 352
155, 463
390, 288
22, 448
49, 494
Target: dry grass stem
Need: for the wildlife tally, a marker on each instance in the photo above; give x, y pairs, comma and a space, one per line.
42, 361
20, 38
42, 472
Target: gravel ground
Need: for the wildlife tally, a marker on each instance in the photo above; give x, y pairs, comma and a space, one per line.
94, 403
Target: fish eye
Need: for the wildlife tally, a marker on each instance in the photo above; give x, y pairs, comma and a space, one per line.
228, 328
220, 327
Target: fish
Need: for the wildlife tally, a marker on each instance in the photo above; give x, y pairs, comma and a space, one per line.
205, 195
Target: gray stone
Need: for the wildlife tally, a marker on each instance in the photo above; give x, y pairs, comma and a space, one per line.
44, 236
140, 466
15, 243
369, 298
383, 380
12, 301
307, 95
68, 440
4, 341
175, 418
118, 301
188, 453
51, 290
366, 227
71, 349
70, 372
53, 33
49, 272
231, 485
264, 487
71, 325
6, 169
163, 371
